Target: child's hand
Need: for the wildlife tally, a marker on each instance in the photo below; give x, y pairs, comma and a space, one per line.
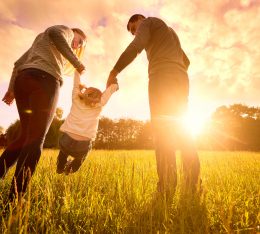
112, 78
82, 86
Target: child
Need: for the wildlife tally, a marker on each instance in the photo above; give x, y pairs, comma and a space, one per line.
80, 126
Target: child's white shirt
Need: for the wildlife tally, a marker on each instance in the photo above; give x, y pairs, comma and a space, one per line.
82, 119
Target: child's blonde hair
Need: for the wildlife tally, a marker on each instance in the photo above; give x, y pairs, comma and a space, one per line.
90, 96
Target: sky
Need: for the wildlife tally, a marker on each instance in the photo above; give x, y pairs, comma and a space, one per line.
220, 37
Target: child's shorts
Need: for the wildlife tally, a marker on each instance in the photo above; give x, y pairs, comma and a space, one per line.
73, 147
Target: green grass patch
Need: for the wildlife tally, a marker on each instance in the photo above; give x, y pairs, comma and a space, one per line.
115, 192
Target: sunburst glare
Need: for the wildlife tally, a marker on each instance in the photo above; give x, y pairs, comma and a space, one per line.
195, 120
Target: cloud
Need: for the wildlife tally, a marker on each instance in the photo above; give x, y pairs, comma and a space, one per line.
14, 42
221, 41
220, 37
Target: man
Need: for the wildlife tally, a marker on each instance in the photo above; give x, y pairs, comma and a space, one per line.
35, 85
168, 96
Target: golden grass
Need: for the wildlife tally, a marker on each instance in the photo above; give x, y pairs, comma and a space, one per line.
114, 192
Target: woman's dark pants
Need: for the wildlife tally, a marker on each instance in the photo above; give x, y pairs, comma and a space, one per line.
36, 94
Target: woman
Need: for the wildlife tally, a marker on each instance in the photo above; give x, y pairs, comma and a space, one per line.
35, 84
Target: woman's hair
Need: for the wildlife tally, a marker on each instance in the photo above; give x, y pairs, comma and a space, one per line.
134, 18
80, 32
86, 94
79, 52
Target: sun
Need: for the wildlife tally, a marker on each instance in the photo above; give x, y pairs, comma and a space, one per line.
194, 121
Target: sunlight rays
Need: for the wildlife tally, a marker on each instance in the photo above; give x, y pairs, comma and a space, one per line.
195, 120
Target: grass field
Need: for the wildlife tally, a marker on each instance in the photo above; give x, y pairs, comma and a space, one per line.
114, 192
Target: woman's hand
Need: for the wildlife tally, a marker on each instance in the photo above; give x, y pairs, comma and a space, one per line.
81, 69
8, 97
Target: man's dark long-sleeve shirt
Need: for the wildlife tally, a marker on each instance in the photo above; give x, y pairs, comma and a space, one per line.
162, 46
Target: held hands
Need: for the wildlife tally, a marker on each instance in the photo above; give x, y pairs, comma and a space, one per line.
112, 78
81, 69
82, 86
8, 98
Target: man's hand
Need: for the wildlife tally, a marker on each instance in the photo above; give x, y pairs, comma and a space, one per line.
112, 78
8, 98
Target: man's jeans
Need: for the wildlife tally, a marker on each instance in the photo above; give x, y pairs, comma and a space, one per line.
168, 99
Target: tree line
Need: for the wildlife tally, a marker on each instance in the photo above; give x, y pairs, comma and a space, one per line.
234, 127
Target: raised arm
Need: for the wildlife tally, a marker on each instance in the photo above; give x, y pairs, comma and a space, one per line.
76, 85
107, 93
140, 41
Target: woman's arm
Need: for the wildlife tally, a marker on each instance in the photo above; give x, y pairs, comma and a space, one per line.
19, 62
9, 95
58, 35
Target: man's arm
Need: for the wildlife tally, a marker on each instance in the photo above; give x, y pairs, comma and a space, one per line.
112, 77
57, 36
135, 47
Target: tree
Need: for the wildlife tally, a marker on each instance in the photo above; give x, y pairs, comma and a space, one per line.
2, 130
51, 140
123, 134
12, 131
52, 137
234, 127
144, 137
58, 113
3, 140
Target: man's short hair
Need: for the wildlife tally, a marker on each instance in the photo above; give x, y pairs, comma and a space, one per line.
80, 32
134, 18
